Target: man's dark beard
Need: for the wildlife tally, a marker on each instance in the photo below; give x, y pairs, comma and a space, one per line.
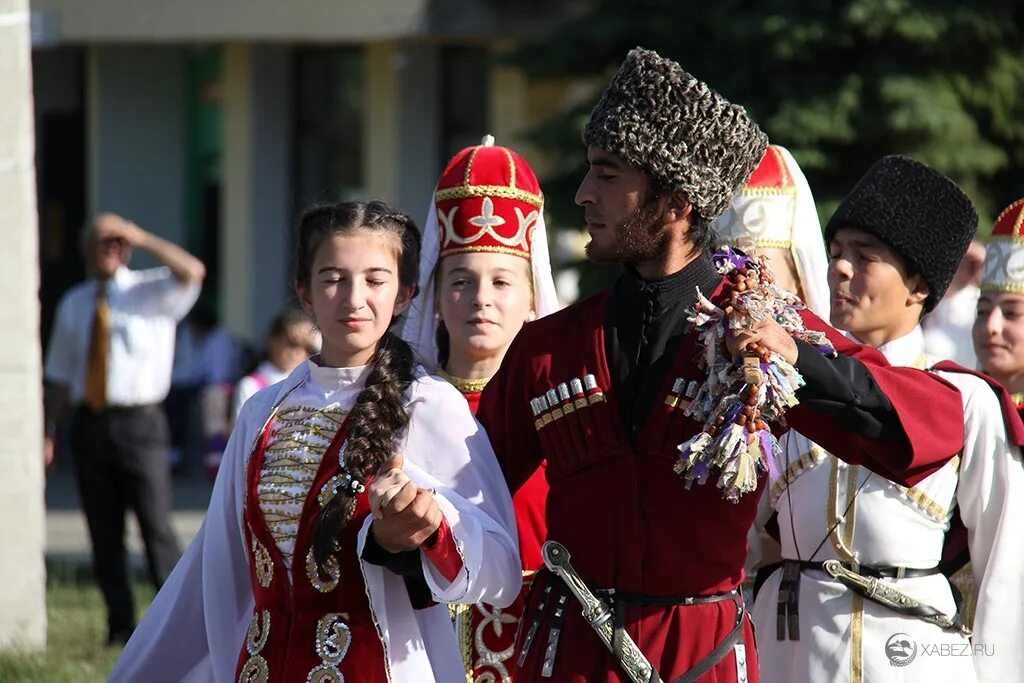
639, 238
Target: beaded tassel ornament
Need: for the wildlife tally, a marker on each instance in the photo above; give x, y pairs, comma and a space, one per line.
739, 398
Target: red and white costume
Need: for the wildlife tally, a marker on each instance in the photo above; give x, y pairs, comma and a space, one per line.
244, 602
488, 199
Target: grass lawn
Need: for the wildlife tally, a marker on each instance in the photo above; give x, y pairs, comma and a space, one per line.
76, 633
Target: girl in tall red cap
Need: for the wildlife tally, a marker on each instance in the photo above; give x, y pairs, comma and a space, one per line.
999, 327
484, 273
354, 496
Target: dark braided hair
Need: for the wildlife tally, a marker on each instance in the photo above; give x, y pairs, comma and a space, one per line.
379, 417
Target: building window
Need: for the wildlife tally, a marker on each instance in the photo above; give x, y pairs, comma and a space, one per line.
465, 98
329, 129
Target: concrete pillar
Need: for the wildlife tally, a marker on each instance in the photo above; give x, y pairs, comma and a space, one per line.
236, 208
419, 127
22, 528
380, 154
256, 209
272, 185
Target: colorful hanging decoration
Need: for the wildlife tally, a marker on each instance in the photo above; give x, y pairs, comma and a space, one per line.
740, 398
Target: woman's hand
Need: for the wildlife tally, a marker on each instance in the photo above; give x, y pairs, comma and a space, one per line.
404, 515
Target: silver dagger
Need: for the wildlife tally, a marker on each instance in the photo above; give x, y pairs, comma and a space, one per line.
598, 615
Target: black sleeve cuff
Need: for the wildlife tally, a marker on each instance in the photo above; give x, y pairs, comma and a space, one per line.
405, 564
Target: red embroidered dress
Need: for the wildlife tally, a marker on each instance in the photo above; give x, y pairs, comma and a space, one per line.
306, 626
487, 634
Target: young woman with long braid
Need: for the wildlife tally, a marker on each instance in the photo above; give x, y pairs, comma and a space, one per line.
354, 496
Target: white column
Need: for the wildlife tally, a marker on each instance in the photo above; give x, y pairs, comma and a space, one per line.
257, 183
236, 207
22, 528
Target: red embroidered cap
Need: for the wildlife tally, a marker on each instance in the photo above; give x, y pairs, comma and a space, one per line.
488, 199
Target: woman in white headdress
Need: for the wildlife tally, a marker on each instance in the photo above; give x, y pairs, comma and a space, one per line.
484, 273
774, 213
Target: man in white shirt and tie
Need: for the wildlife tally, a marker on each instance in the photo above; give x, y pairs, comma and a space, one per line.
109, 360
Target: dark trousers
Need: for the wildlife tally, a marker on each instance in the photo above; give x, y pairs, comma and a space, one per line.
120, 462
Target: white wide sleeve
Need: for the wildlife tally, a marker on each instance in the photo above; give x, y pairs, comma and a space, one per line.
196, 625
449, 451
991, 499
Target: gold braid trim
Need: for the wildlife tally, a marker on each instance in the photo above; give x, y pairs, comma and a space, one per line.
467, 191
1010, 287
764, 243
497, 250
841, 535
462, 617
857, 639
465, 386
924, 502
767, 191
795, 469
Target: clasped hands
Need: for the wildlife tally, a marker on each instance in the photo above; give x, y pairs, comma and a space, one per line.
404, 515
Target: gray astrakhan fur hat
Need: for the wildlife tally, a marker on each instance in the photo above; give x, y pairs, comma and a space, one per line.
919, 212
683, 134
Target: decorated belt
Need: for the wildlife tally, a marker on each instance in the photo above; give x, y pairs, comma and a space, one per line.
603, 610
875, 570
881, 593
787, 624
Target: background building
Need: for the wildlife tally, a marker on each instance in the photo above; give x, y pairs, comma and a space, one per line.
213, 124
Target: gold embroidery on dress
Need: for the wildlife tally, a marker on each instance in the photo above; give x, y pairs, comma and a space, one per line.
333, 639
333, 573
329, 489
489, 658
255, 669
295, 448
325, 673
261, 559
258, 633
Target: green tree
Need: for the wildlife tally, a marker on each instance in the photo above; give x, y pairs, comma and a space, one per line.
838, 83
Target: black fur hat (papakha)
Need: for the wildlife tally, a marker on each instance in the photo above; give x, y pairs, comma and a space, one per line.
685, 136
919, 212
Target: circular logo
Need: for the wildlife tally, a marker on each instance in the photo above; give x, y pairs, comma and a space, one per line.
900, 649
